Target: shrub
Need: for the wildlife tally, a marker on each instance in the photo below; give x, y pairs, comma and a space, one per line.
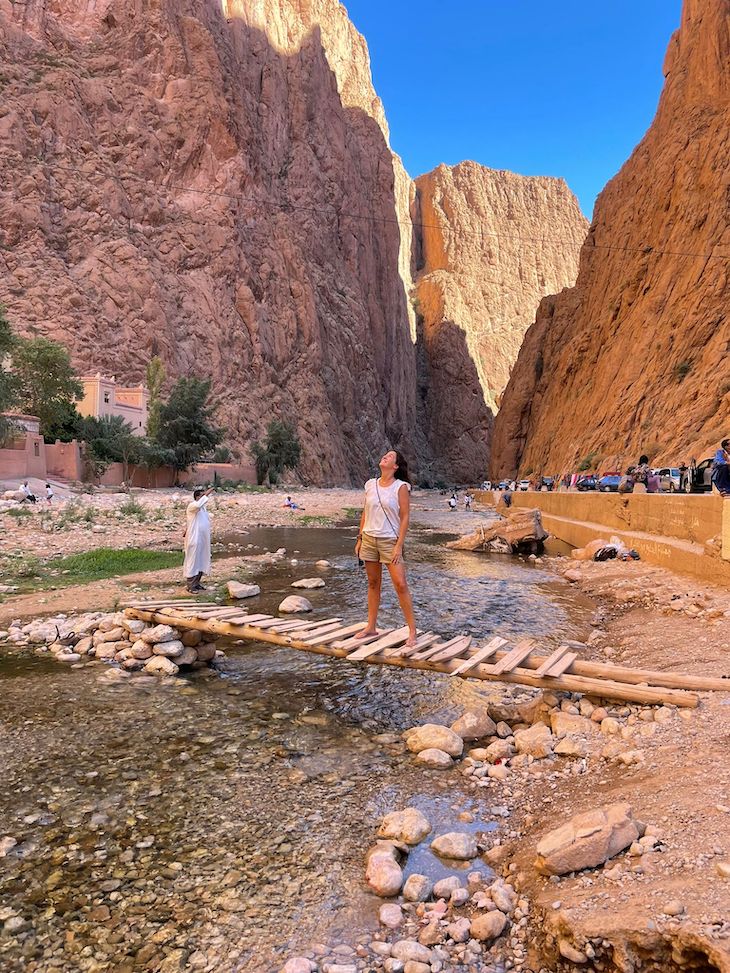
281, 451
132, 508
682, 369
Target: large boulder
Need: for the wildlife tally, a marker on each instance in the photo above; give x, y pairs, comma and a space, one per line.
434, 759
308, 583
383, 872
159, 633
564, 724
434, 736
537, 741
488, 926
295, 603
474, 724
587, 840
160, 665
456, 844
171, 649
409, 825
238, 590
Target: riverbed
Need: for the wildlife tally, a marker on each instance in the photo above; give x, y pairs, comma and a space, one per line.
219, 821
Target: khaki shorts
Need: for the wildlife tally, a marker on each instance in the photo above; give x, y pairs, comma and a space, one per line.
377, 549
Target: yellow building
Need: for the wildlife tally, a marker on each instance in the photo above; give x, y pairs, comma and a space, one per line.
103, 397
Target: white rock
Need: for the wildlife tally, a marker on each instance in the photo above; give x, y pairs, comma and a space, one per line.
238, 590
455, 844
488, 926
308, 583
587, 840
408, 949
6, 844
446, 886
434, 759
536, 741
434, 736
298, 964
160, 665
170, 649
383, 872
323, 563
141, 649
391, 915
474, 724
418, 888
159, 633
295, 603
409, 826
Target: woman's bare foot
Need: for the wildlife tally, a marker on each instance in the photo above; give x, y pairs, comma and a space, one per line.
366, 633
411, 641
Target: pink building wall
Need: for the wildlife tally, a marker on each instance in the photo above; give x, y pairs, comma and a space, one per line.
24, 457
63, 460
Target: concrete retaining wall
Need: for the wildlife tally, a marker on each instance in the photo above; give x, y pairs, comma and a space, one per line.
670, 530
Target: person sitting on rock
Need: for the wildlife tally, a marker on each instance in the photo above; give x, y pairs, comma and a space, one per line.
28, 497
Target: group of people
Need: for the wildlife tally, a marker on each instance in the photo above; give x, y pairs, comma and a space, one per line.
454, 501
30, 497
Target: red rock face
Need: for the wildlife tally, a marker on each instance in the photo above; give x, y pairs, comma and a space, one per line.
180, 182
492, 244
635, 358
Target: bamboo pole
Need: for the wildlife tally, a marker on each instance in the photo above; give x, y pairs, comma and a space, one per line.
609, 689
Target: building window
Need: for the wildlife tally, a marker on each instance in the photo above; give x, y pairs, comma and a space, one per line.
106, 398
37, 449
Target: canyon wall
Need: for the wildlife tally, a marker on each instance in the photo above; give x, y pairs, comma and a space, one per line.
492, 244
213, 184
636, 357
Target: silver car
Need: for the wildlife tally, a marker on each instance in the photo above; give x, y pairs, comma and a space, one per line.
670, 479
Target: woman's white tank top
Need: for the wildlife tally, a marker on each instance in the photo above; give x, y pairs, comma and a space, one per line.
382, 516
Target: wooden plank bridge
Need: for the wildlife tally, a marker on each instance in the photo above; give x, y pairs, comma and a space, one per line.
458, 657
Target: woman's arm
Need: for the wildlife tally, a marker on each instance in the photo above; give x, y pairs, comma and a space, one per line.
358, 542
404, 506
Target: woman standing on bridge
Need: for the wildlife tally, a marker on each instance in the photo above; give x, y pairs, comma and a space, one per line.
381, 536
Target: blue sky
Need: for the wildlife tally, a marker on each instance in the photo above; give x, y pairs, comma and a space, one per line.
558, 89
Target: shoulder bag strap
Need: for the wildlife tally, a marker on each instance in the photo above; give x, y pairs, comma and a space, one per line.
385, 511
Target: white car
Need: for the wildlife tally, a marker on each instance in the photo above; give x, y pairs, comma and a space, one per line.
670, 479
524, 485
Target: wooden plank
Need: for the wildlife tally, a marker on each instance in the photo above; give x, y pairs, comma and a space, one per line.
246, 619
563, 664
313, 636
435, 649
552, 659
424, 641
285, 625
453, 651
392, 638
354, 642
337, 635
481, 655
508, 662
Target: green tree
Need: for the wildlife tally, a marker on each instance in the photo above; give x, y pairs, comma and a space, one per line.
155, 379
45, 382
7, 379
186, 423
281, 451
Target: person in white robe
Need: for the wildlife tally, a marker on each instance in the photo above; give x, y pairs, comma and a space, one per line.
197, 540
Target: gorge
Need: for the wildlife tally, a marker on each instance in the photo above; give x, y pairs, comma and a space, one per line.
214, 184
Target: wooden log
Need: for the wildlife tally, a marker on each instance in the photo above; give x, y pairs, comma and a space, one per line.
392, 638
562, 665
568, 682
481, 655
510, 660
458, 647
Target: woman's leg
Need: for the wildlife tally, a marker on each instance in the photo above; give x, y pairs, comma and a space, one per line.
374, 570
398, 577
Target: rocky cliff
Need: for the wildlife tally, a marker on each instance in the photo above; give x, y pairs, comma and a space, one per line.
214, 185
211, 181
492, 244
635, 358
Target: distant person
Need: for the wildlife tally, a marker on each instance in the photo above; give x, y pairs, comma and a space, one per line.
28, 497
641, 475
653, 483
291, 504
721, 468
49, 493
626, 482
381, 538
452, 502
684, 484
507, 496
197, 540
467, 501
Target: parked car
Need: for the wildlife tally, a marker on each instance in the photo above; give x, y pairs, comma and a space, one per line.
503, 485
524, 485
549, 482
609, 483
670, 479
701, 477
588, 482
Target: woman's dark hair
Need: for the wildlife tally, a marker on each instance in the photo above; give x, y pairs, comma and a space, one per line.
725, 443
643, 459
402, 467
197, 494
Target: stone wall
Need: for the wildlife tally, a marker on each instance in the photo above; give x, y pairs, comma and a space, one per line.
669, 530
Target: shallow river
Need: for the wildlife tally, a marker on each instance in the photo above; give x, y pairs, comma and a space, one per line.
220, 820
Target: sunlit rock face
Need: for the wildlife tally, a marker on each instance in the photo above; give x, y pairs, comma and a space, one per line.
635, 357
492, 244
213, 183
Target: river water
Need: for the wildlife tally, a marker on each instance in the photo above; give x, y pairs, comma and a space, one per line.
219, 821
